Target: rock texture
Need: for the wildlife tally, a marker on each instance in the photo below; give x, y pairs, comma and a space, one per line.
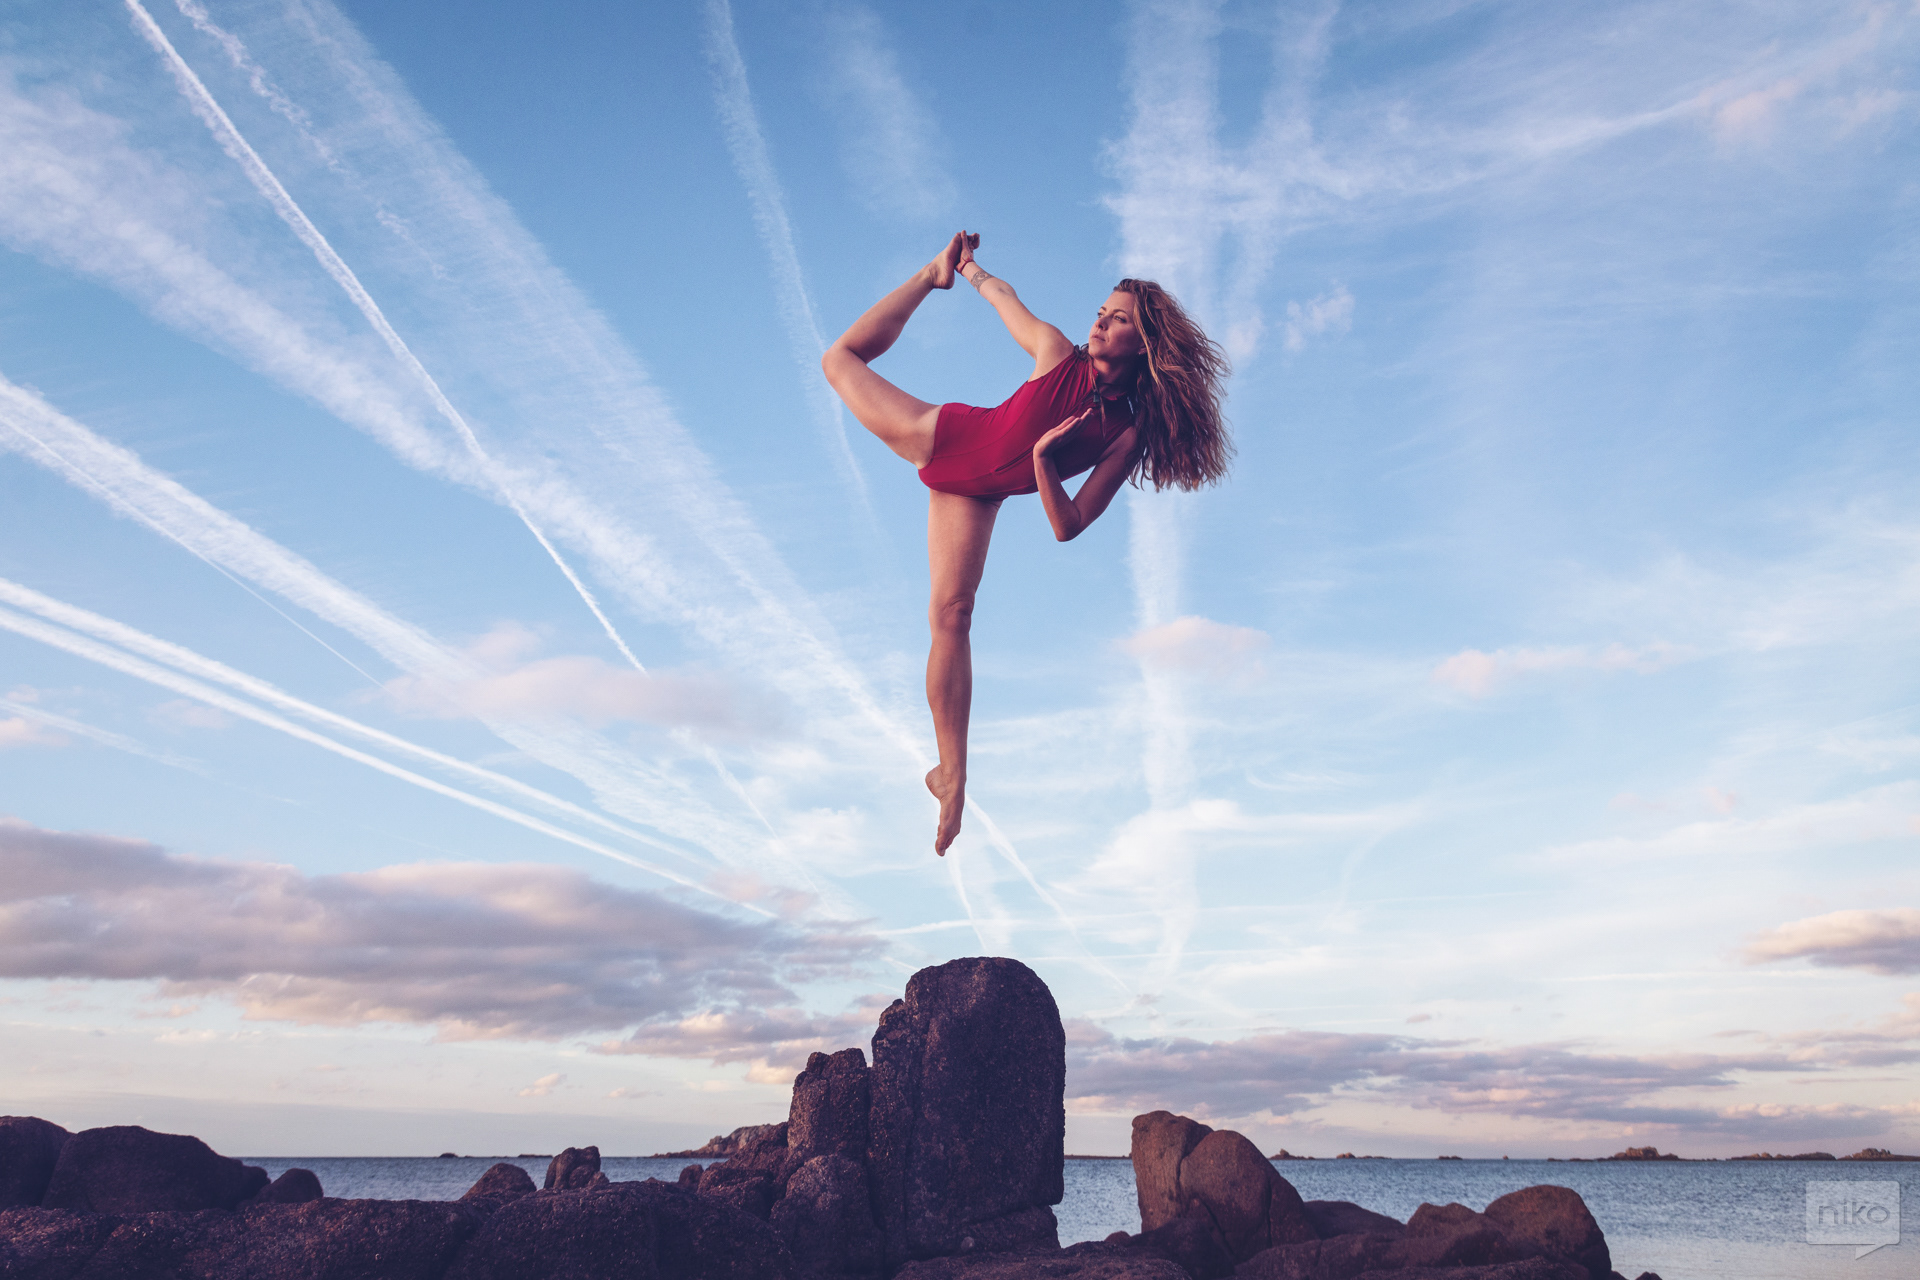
575, 1169
1025, 1266
295, 1186
1557, 1221
500, 1183
1184, 1169
1345, 1218
321, 1240
128, 1169
968, 1120
29, 1148
633, 1230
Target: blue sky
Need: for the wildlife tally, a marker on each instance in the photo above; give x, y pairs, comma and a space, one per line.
461, 668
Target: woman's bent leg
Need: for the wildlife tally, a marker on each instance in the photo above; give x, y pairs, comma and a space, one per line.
904, 423
958, 530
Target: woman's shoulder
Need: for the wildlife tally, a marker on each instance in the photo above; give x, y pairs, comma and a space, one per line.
1074, 364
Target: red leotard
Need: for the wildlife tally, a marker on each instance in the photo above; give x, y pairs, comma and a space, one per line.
988, 453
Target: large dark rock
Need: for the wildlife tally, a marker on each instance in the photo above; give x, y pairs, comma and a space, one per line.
1440, 1242
1345, 1218
829, 1114
747, 1190
968, 1123
826, 1219
1183, 1169
1189, 1242
29, 1148
763, 1150
573, 1169
1116, 1265
502, 1182
127, 1169
322, 1240
49, 1243
295, 1186
1558, 1221
632, 1230
1161, 1140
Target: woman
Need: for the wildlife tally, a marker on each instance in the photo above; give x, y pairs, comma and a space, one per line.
1140, 400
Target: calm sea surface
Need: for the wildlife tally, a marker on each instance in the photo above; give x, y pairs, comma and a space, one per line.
1722, 1221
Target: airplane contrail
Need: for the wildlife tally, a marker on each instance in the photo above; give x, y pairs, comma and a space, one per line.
747, 145
235, 145
60, 637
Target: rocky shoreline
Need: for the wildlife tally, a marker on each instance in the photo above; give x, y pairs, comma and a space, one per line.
941, 1159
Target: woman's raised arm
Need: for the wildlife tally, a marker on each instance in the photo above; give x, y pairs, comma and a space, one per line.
1045, 343
1070, 516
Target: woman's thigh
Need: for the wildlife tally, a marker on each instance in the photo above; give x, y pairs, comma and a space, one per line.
904, 423
958, 532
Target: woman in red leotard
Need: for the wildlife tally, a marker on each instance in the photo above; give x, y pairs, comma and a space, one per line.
1140, 400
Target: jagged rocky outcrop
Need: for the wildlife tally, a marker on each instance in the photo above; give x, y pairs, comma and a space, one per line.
941, 1159
29, 1148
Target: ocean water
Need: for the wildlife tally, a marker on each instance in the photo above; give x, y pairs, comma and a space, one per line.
1734, 1220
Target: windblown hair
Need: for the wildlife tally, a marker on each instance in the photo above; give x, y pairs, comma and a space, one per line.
1183, 436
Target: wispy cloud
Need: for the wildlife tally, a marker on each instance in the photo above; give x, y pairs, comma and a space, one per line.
1478, 673
890, 143
474, 950
1331, 312
1885, 941
747, 145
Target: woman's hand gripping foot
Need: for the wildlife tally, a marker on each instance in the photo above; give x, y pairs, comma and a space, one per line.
942, 269
953, 802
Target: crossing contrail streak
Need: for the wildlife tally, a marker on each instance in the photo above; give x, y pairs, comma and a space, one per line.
60, 637
235, 145
186, 661
747, 145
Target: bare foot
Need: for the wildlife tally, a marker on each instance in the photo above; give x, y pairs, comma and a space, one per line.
953, 802
943, 266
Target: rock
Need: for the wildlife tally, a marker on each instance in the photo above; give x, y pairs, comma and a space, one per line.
1558, 1221
724, 1145
764, 1151
1030, 1266
689, 1179
1345, 1218
128, 1169
1161, 1140
1249, 1204
1528, 1269
829, 1114
320, 1240
38, 1243
745, 1190
573, 1169
502, 1182
1642, 1153
633, 1230
29, 1148
298, 1186
1191, 1243
968, 1119
1184, 1169
826, 1218
1437, 1239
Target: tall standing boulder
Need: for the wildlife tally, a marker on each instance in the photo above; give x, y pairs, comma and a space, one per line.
1183, 1169
968, 1125
29, 1148
825, 1211
128, 1169
575, 1169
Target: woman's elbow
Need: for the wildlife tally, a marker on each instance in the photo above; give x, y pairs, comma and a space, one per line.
1067, 533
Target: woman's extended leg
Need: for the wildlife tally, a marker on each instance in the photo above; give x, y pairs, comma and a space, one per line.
904, 423
958, 530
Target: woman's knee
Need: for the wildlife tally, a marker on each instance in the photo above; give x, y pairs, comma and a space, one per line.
952, 617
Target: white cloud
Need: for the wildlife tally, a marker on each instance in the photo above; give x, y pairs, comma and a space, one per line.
544, 1086
1477, 673
1331, 312
1199, 645
474, 950
1884, 941
508, 683
18, 731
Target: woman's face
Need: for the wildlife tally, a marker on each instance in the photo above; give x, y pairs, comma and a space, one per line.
1114, 335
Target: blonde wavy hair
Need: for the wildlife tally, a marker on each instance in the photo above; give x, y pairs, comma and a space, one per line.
1183, 434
